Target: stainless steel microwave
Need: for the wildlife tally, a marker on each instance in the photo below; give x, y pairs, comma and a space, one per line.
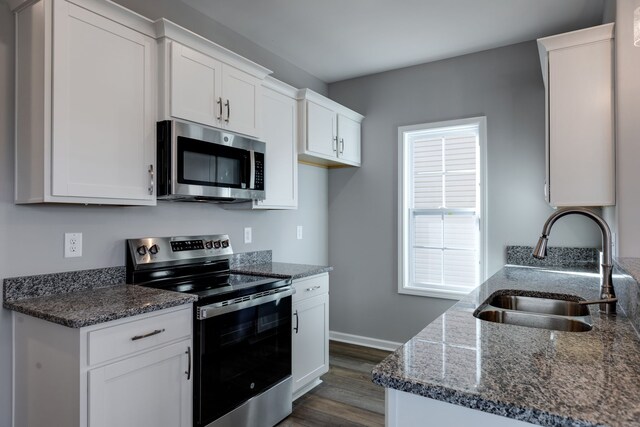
198, 163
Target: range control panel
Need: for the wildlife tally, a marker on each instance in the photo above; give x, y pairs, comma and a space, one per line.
152, 250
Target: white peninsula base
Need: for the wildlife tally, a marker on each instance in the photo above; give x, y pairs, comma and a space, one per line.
410, 410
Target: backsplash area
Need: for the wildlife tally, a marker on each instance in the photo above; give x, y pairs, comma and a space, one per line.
556, 256
17, 288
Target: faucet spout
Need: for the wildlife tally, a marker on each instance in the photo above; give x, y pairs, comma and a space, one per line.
606, 281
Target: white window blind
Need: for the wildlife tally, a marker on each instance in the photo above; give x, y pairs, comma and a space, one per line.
441, 207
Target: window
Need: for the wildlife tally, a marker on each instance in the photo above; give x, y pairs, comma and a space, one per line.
441, 207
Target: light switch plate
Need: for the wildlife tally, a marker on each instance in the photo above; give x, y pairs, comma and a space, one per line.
299, 232
247, 235
72, 245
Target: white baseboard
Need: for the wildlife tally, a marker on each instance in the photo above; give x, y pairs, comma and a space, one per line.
364, 341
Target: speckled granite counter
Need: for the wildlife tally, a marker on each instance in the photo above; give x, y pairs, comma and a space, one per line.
92, 306
544, 377
87, 297
281, 270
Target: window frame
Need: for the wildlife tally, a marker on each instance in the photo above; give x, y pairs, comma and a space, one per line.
404, 218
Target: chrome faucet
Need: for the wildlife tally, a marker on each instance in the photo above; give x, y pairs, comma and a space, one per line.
608, 298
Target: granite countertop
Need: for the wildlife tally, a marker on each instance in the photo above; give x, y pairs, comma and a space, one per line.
281, 270
92, 306
544, 377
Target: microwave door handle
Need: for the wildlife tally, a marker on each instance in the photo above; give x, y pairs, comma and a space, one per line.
252, 169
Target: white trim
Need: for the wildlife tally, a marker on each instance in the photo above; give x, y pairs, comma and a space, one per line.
175, 32
403, 220
13, 369
364, 341
444, 294
310, 95
306, 389
280, 87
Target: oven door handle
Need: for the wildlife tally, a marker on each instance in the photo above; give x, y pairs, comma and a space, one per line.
224, 307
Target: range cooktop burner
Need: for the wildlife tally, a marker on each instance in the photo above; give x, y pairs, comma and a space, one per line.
195, 265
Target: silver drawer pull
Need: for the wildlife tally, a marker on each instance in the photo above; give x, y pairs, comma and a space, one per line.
150, 334
313, 288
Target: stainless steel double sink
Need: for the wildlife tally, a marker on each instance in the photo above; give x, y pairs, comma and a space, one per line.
557, 312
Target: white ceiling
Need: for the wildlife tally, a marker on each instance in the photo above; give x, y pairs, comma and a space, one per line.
340, 39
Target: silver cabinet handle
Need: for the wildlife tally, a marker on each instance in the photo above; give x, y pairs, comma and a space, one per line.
313, 288
335, 144
152, 183
228, 105
341, 145
219, 102
150, 334
188, 371
297, 321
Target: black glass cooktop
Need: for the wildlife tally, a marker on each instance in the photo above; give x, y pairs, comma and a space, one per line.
222, 286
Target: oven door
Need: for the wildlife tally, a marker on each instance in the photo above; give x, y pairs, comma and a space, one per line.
242, 349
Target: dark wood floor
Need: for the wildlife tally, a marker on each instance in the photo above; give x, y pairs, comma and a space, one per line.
346, 397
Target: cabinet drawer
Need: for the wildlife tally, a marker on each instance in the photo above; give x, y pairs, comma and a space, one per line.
310, 287
117, 341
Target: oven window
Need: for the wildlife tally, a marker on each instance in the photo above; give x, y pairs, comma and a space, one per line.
204, 163
242, 354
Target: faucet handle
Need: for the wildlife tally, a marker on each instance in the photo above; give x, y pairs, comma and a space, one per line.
599, 301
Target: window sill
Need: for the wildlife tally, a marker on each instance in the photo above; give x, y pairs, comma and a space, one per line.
433, 293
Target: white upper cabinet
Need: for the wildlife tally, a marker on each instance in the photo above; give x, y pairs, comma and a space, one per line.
86, 107
279, 115
242, 95
329, 132
577, 69
196, 93
348, 139
207, 84
280, 134
322, 130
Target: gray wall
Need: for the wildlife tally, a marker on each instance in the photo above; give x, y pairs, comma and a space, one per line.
505, 85
32, 236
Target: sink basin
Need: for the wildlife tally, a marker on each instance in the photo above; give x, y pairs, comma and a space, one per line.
540, 305
519, 318
536, 311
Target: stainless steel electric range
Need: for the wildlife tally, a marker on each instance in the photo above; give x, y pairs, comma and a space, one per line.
242, 328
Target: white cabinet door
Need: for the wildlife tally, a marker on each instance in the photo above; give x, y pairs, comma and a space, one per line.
349, 140
149, 390
578, 73
195, 86
321, 130
581, 125
103, 107
310, 349
242, 95
279, 132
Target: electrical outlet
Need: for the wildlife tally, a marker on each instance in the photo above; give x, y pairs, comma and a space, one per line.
72, 245
299, 232
247, 234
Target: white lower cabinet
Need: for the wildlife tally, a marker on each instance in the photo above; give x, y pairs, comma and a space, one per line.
143, 391
134, 372
404, 409
310, 346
